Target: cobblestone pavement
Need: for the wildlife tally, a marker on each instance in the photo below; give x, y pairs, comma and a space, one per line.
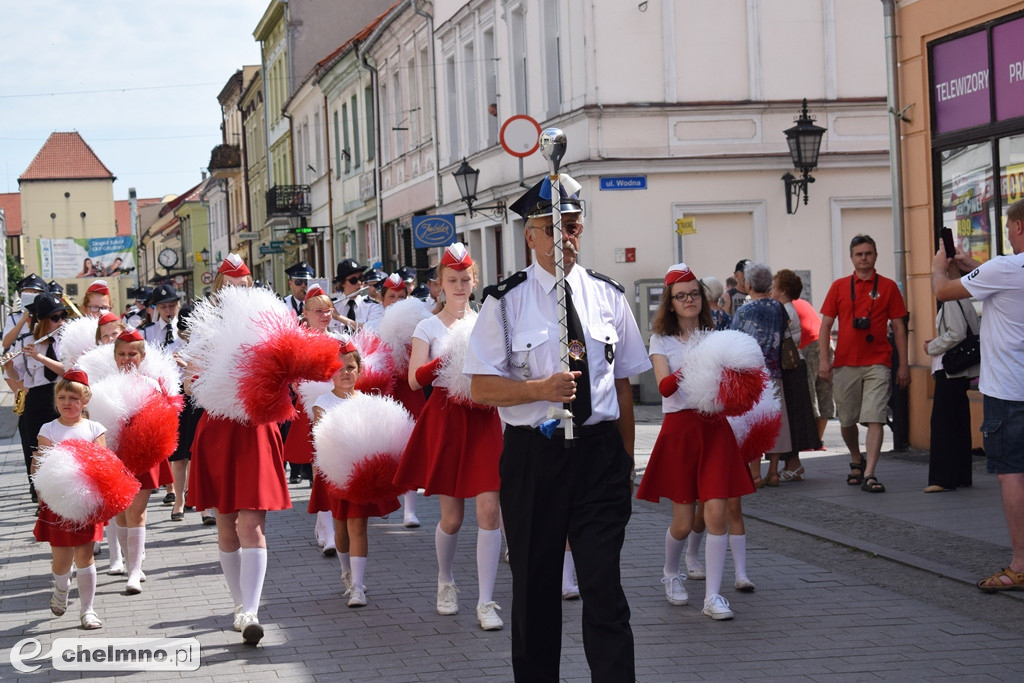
851, 586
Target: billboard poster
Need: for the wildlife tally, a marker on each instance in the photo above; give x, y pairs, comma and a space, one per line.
87, 258
973, 232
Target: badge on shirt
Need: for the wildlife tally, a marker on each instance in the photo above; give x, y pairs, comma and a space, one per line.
577, 350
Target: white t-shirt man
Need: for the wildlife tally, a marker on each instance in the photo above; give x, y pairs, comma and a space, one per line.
999, 285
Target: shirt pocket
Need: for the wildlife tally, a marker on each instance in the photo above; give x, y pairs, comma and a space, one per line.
603, 338
526, 345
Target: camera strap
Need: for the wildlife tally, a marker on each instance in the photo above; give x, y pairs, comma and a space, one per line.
853, 296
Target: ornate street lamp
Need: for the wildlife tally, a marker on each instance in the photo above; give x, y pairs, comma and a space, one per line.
466, 178
804, 141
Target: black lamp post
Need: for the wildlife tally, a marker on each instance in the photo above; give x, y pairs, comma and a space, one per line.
804, 141
466, 178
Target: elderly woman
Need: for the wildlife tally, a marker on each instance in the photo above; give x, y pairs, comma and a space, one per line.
716, 290
766, 320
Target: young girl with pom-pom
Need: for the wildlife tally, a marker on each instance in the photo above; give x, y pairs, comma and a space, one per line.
71, 543
456, 444
350, 519
696, 456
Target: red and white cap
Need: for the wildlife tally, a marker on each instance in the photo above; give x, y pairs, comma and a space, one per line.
314, 290
394, 282
347, 345
107, 317
77, 374
680, 272
233, 266
130, 334
456, 257
99, 287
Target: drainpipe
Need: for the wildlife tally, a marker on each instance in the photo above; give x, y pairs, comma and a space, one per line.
330, 196
363, 59
133, 204
433, 95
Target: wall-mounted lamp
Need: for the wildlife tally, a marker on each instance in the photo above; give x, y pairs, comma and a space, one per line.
804, 141
466, 178
204, 255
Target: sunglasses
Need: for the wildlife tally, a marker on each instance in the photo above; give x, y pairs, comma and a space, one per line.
354, 280
570, 229
687, 296
57, 317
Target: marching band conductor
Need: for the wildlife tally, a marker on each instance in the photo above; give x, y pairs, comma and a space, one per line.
553, 489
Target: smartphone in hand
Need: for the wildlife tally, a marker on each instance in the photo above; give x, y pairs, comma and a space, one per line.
947, 242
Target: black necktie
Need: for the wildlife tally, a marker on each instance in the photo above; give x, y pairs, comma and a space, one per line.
297, 306
169, 337
581, 407
351, 310
49, 374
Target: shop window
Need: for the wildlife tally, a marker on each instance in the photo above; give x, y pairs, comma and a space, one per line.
968, 201
1011, 180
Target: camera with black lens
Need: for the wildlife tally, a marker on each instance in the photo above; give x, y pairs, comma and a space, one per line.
861, 323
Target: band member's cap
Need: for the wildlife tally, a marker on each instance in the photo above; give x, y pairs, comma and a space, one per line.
348, 267
300, 271
537, 200
163, 294
32, 281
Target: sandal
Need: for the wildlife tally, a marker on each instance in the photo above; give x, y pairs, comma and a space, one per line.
995, 582
872, 485
792, 475
772, 480
856, 475
758, 482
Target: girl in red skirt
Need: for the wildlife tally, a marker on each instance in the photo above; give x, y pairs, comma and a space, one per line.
455, 447
696, 456
68, 543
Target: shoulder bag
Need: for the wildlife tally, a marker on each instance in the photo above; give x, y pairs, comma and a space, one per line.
965, 354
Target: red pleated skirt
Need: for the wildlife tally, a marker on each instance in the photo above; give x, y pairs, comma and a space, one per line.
298, 447
695, 458
454, 449
56, 531
156, 476
237, 467
322, 498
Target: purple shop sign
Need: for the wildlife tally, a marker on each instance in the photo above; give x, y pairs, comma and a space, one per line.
960, 89
1008, 67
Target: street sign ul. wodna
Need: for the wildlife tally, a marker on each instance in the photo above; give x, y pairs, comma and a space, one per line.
433, 231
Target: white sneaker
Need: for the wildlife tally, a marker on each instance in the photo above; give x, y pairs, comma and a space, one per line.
745, 585
717, 607
447, 599
571, 592
90, 621
252, 632
346, 578
357, 597
59, 600
116, 568
487, 615
674, 591
133, 586
694, 570
411, 521
237, 625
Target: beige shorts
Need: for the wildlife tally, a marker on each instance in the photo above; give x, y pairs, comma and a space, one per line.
821, 391
861, 393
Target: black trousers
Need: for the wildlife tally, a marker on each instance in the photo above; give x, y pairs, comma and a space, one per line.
949, 464
39, 410
550, 493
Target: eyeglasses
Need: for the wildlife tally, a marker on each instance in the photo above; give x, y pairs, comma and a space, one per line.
687, 296
571, 229
98, 309
354, 280
57, 317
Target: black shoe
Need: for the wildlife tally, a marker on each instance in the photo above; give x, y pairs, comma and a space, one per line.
294, 480
38, 508
209, 521
169, 498
177, 516
35, 496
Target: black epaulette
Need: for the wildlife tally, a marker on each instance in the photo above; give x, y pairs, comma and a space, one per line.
143, 326
505, 286
602, 276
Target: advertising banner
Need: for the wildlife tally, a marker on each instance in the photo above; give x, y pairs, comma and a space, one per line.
96, 257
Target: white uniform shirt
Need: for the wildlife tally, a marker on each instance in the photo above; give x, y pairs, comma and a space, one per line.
999, 285
368, 311
532, 314
673, 349
157, 334
296, 306
86, 430
31, 372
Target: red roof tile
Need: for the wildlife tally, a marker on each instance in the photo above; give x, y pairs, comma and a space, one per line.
123, 213
65, 156
10, 202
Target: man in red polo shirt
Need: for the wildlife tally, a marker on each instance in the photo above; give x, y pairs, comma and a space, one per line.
864, 303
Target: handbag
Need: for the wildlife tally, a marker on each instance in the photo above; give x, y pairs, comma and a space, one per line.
789, 355
965, 354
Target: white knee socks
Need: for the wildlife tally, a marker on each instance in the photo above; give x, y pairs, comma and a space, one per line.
568, 567
358, 571
693, 548
346, 563
738, 546
114, 541
714, 562
488, 550
409, 502
230, 564
86, 587
325, 529
673, 549
446, 545
63, 581
252, 571
134, 550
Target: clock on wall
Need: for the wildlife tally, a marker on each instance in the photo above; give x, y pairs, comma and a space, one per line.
168, 258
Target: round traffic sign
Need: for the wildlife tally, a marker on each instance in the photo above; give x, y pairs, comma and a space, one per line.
179, 280
520, 135
206, 278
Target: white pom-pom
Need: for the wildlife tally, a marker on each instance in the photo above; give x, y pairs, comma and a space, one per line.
98, 362
360, 427
76, 337
396, 327
63, 484
159, 364
453, 357
116, 398
706, 355
309, 392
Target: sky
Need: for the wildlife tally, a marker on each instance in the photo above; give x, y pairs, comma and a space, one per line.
138, 80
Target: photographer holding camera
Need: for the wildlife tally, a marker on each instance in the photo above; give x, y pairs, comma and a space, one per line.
864, 304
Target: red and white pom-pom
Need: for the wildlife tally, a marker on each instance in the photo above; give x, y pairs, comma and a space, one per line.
396, 327
116, 398
722, 372
159, 364
309, 392
453, 357
377, 375
83, 482
757, 429
98, 362
76, 337
357, 446
151, 434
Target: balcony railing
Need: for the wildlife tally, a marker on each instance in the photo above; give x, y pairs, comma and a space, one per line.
225, 157
289, 200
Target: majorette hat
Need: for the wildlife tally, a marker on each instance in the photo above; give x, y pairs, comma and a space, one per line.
394, 282
130, 334
233, 266
107, 317
77, 374
99, 287
680, 272
347, 345
456, 257
315, 290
